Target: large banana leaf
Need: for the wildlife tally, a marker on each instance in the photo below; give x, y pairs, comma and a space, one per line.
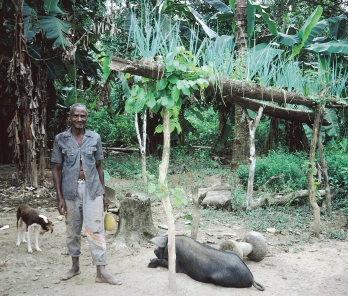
288, 40
334, 25
272, 26
340, 46
30, 25
225, 11
55, 67
56, 29
199, 18
307, 28
51, 6
85, 63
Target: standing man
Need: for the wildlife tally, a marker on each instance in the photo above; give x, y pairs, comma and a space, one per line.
79, 182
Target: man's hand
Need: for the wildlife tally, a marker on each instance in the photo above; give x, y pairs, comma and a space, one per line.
62, 207
105, 203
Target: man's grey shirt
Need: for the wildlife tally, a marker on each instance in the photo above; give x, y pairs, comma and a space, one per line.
67, 152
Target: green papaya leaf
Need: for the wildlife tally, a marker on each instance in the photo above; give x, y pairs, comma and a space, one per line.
175, 93
161, 84
173, 79
167, 102
138, 106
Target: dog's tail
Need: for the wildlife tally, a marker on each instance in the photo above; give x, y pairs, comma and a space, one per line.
19, 218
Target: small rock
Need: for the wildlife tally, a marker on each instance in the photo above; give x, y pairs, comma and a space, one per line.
162, 226
271, 230
35, 278
228, 234
57, 281
60, 217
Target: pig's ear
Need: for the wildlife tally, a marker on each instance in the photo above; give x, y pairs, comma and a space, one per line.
160, 241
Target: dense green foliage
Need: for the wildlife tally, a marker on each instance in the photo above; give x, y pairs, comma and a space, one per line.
115, 129
288, 170
337, 158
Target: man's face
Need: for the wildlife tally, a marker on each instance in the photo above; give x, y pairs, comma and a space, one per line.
78, 117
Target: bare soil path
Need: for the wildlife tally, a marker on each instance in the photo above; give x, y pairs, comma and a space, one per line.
316, 268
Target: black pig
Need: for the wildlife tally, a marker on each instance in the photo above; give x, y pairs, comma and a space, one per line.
204, 263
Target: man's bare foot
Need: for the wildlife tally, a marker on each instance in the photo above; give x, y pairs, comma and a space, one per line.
75, 270
104, 277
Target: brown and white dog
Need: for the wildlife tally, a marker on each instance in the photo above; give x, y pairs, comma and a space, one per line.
31, 218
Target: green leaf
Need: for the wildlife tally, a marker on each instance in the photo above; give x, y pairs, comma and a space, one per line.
167, 102
188, 217
251, 10
138, 106
151, 188
220, 6
203, 83
186, 91
177, 202
162, 84
197, 113
272, 26
151, 103
199, 18
129, 106
340, 46
51, 6
159, 129
173, 79
307, 28
56, 29
134, 90
289, 40
181, 84
175, 93
106, 68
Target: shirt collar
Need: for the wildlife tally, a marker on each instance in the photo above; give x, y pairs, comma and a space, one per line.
68, 133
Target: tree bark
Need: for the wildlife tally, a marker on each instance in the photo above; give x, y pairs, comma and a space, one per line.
248, 95
253, 124
327, 202
135, 225
310, 173
279, 199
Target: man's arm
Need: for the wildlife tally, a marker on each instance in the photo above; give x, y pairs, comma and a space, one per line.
57, 180
100, 170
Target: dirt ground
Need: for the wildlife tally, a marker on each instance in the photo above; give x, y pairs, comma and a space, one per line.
317, 268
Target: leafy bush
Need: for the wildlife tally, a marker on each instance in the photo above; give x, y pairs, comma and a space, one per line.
288, 170
114, 128
337, 159
205, 133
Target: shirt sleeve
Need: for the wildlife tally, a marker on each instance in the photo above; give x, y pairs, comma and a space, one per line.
57, 156
99, 153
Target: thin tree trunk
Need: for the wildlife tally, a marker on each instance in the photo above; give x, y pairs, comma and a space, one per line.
311, 169
163, 172
327, 201
252, 123
142, 145
240, 140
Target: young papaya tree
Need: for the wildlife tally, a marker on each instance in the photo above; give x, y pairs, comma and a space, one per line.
166, 96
